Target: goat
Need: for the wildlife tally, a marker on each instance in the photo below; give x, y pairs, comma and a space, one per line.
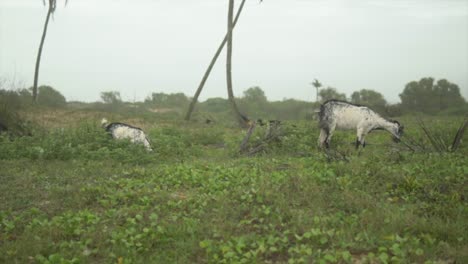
335, 114
124, 131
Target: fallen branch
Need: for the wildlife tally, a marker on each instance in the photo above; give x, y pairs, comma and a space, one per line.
273, 133
262, 145
246, 139
459, 135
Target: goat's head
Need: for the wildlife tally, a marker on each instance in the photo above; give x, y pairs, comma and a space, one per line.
104, 122
397, 131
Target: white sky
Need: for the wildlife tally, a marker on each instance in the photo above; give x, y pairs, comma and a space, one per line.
142, 46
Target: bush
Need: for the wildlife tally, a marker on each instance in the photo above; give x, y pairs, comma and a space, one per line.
10, 120
455, 111
48, 96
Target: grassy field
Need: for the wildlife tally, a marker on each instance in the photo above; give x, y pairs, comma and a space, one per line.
69, 194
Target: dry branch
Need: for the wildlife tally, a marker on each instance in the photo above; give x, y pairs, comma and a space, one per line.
247, 137
459, 135
273, 133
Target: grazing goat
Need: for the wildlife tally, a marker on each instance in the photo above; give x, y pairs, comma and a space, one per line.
335, 114
124, 131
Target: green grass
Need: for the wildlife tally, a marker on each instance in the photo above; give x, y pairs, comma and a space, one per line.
73, 195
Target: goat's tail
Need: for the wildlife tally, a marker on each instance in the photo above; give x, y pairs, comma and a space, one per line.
321, 113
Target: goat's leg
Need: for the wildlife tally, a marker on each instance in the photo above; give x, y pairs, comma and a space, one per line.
360, 138
363, 140
330, 134
357, 143
322, 137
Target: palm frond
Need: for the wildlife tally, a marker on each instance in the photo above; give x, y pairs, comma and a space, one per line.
53, 4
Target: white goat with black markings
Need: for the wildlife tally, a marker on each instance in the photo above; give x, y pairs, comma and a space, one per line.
124, 131
335, 114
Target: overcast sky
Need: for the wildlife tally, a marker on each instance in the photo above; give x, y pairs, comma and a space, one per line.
142, 46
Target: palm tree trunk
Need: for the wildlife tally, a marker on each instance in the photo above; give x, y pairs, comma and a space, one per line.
210, 67
231, 98
38, 60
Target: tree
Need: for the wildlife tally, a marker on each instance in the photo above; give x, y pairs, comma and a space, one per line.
317, 86
255, 102
255, 94
22, 97
215, 105
241, 118
371, 98
428, 96
51, 97
448, 94
168, 100
50, 11
211, 65
112, 97
331, 93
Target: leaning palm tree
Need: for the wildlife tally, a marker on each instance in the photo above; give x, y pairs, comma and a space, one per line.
212, 63
50, 12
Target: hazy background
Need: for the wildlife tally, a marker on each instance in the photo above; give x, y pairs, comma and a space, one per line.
144, 46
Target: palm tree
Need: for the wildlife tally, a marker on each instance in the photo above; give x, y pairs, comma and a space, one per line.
243, 121
317, 86
50, 11
212, 63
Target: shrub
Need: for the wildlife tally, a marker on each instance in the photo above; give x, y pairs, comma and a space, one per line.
48, 96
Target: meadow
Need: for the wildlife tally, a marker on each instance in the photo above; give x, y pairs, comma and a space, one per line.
70, 194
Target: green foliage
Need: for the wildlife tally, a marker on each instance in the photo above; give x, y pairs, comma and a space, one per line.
15, 99
370, 98
48, 96
455, 110
111, 97
77, 196
214, 105
10, 99
255, 94
178, 100
426, 96
88, 141
331, 93
393, 110
11, 103
254, 102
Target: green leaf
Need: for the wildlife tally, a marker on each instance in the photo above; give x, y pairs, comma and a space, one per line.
383, 257
323, 240
419, 252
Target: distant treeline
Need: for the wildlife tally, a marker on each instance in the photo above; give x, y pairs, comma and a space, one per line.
426, 96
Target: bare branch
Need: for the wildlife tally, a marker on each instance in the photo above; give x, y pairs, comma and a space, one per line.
459, 135
246, 139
